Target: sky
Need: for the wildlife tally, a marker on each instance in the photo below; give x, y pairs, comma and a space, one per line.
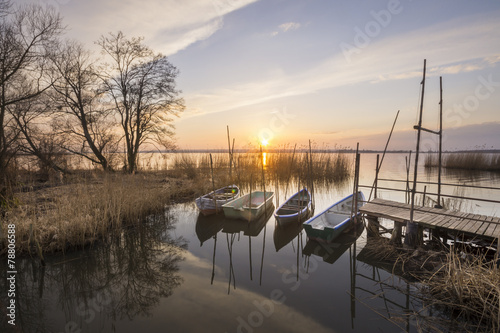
333, 72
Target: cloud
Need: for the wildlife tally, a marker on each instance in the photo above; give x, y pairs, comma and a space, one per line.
285, 27
289, 26
457, 46
168, 25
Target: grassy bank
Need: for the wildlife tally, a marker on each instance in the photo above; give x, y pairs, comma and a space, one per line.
56, 217
479, 161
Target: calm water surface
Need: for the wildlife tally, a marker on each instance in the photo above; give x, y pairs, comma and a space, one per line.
180, 272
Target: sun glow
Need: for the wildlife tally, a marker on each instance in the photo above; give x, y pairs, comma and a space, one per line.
264, 142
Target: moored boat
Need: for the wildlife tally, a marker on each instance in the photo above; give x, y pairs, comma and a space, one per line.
329, 224
212, 202
250, 206
295, 209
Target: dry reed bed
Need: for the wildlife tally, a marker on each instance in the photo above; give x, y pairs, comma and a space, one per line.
470, 289
280, 166
75, 215
463, 287
466, 161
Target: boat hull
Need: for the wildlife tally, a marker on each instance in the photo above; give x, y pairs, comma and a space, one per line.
332, 222
241, 208
295, 210
208, 206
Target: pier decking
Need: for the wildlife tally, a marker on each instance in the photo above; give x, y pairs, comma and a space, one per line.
481, 226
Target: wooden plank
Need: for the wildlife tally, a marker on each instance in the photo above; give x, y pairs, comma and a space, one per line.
484, 227
431, 217
465, 224
490, 231
473, 228
440, 221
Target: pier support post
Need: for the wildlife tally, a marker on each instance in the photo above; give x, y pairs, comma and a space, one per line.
414, 234
397, 234
372, 226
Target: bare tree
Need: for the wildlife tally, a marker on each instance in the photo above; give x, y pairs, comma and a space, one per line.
32, 118
141, 85
26, 36
83, 115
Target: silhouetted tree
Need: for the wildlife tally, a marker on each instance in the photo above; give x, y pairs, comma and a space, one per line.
26, 36
82, 115
141, 85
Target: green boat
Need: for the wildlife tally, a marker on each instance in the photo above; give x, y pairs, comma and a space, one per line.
329, 224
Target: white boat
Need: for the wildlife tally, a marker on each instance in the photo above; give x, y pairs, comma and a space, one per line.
330, 223
212, 202
295, 209
250, 206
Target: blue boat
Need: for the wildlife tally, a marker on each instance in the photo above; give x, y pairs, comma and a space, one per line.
330, 223
295, 209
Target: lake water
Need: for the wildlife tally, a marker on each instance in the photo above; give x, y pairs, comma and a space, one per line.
180, 272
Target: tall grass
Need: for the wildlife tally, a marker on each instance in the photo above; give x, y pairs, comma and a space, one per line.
466, 161
75, 215
470, 289
280, 166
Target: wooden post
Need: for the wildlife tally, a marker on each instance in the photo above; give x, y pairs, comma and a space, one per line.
376, 177
408, 162
397, 233
438, 205
423, 198
312, 174
379, 165
354, 206
263, 181
372, 226
412, 228
213, 184
230, 155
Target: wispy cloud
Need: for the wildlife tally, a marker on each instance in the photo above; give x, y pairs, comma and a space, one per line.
451, 47
168, 25
285, 27
289, 26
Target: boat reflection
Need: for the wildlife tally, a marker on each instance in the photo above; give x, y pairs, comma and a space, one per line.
285, 234
331, 252
218, 225
208, 226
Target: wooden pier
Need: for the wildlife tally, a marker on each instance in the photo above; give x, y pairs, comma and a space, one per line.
472, 225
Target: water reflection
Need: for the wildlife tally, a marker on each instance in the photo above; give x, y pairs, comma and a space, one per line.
209, 227
331, 252
285, 234
122, 278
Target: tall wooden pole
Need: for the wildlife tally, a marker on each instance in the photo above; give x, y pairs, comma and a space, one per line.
213, 183
440, 140
379, 165
412, 229
230, 154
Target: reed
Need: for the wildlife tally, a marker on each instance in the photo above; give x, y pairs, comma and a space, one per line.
480, 161
470, 289
463, 287
75, 215
323, 168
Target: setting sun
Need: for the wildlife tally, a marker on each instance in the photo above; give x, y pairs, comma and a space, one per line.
264, 142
